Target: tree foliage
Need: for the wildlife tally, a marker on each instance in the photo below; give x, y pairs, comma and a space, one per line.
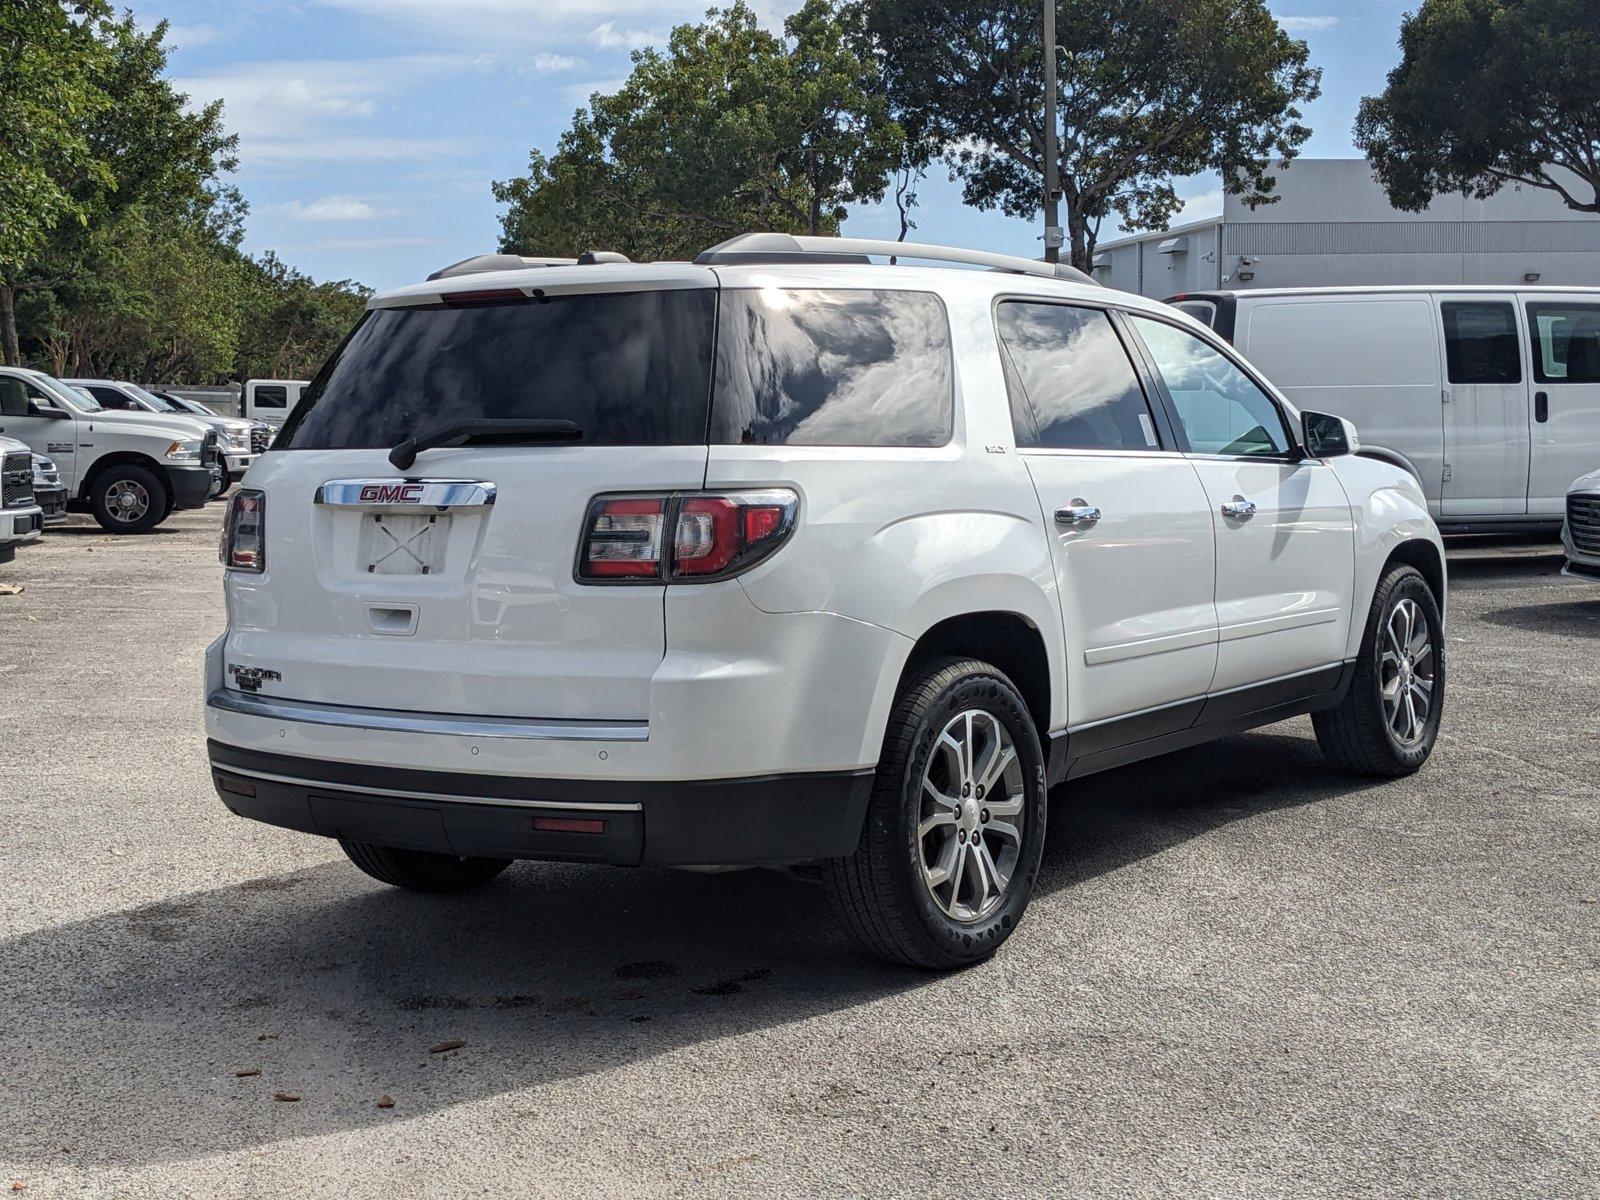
1148, 91
119, 237
729, 128
1490, 92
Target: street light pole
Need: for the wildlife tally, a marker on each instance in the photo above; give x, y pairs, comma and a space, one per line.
1052, 186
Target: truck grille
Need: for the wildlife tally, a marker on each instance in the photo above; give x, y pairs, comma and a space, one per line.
210, 455
1583, 519
260, 439
16, 481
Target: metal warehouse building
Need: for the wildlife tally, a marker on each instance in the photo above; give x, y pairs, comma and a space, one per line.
1333, 226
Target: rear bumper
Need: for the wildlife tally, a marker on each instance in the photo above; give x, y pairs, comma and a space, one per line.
777, 818
191, 486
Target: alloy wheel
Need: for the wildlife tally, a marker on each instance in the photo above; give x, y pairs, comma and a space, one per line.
127, 501
971, 819
1407, 673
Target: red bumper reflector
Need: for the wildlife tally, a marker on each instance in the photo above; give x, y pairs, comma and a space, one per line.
237, 786
569, 825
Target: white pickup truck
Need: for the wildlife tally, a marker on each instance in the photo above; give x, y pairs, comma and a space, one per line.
20, 518
129, 469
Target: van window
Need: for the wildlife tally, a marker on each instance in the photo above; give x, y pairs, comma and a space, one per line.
1071, 384
824, 367
270, 396
1568, 337
1221, 409
628, 368
1201, 310
1480, 342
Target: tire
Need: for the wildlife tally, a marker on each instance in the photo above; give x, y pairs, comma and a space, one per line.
227, 484
1361, 735
128, 498
420, 870
881, 892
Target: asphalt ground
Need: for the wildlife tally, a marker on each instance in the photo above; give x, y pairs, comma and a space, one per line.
1243, 975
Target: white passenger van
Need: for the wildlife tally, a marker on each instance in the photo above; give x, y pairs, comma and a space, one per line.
272, 400
1490, 396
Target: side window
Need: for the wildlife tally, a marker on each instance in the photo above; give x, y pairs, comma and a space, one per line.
1568, 341
822, 367
1221, 409
112, 398
1480, 342
271, 397
1072, 386
13, 397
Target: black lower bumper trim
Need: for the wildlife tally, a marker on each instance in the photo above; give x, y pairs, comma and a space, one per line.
777, 818
191, 486
1574, 567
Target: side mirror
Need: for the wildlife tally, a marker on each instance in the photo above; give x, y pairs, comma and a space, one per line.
1328, 436
51, 413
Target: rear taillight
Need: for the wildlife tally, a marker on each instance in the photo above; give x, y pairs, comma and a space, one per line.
244, 532
713, 535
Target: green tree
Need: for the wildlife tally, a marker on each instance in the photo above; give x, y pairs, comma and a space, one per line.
1490, 92
730, 128
127, 142
1148, 90
291, 323
48, 100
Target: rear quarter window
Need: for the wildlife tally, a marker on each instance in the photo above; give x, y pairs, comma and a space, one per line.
823, 367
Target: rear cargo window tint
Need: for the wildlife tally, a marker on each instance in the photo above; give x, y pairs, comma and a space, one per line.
821, 367
1071, 383
628, 368
1480, 343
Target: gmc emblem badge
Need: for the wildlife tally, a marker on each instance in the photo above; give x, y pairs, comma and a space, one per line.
391, 493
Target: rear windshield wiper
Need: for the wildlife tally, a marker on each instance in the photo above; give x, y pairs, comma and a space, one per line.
484, 432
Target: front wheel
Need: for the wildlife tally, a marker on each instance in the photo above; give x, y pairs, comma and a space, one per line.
128, 498
1389, 720
421, 870
955, 828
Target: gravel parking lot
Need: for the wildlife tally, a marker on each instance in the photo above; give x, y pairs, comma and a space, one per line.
1244, 974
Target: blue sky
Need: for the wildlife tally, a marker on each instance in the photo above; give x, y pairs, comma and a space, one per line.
371, 129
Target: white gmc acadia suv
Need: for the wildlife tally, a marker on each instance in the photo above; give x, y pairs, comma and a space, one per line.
784, 556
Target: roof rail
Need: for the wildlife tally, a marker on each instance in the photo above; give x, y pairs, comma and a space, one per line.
756, 248
480, 263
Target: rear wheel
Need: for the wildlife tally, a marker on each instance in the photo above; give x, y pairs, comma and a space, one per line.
420, 870
1389, 720
955, 828
128, 498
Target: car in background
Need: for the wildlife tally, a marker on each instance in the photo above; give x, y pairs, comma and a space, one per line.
130, 469
261, 433
48, 490
1490, 396
20, 519
234, 433
1580, 535
272, 400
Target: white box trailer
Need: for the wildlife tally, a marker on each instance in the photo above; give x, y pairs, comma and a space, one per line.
1490, 396
272, 400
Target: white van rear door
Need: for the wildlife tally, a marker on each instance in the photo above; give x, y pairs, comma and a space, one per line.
1486, 413
1564, 441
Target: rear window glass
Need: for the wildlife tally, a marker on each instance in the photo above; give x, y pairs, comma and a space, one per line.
822, 367
629, 368
272, 397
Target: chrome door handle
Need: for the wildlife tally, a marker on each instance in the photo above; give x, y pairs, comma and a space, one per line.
1079, 514
1239, 509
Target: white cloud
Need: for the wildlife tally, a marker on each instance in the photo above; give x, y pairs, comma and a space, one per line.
1307, 24
550, 64
579, 93
334, 208
1200, 207
607, 36
187, 37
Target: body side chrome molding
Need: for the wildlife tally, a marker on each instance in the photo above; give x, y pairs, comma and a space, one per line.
385, 720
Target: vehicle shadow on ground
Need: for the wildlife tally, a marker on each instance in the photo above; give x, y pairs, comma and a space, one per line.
125, 1031
1578, 619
